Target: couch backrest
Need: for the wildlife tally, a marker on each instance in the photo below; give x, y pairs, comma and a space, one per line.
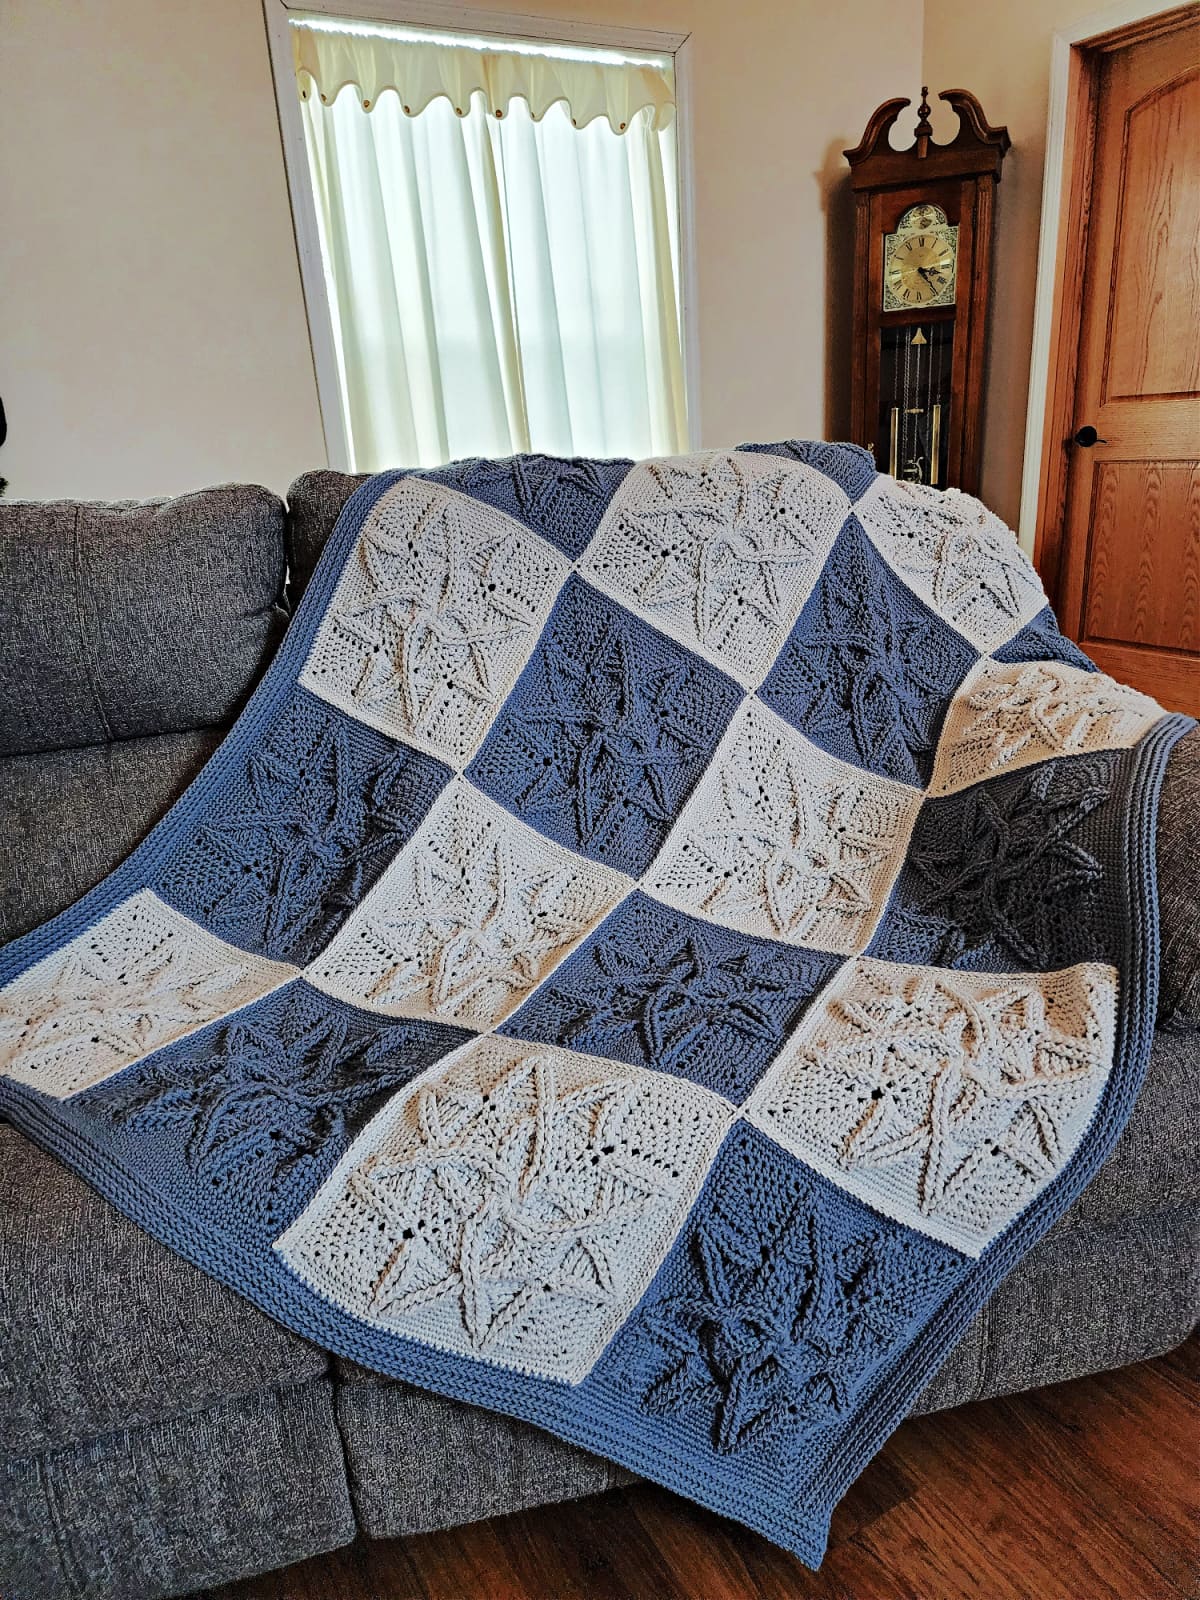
130, 636
127, 620
315, 502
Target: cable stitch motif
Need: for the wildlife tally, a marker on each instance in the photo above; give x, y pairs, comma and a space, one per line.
659, 989
945, 1100
765, 1329
294, 841
136, 979
1009, 716
719, 550
782, 840
515, 1205
433, 617
868, 671
606, 732
956, 555
472, 913
265, 1104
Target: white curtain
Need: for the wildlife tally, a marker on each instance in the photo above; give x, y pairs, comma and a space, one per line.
499, 283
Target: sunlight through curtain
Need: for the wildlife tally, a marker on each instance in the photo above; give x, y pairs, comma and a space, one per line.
499, 283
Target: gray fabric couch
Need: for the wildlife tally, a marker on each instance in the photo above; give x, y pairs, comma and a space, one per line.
157, 1433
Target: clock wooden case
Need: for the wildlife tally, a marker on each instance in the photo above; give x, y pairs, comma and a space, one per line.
922, 280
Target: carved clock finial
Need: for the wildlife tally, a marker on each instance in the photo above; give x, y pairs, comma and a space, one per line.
924, 128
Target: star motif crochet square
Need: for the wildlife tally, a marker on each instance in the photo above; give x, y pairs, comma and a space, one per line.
960, 559
850, 466
1010, 873
292, 840
946, 1100
784, 841
245, 1119
660, 989
136, 979
606, 732
720, 550
511, 1206
1042, 640
562, 498
868, 670
778, 1306
470, 916
438, 606
1007, 716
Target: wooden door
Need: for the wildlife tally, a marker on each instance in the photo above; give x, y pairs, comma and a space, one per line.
1130, 563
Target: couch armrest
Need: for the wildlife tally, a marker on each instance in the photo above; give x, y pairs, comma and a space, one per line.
1179, 886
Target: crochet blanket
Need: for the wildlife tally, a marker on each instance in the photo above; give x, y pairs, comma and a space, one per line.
660, 944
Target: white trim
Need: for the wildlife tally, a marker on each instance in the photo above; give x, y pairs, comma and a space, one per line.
451, 14
689, 256
1063, 42
461, 18
308, 237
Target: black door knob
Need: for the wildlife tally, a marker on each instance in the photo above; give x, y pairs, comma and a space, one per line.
1087, 437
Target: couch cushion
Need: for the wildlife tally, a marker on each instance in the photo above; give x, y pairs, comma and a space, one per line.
247, 1486
71, 816
418, 1461
314, 503
1178, 880
102, 1328
129, 619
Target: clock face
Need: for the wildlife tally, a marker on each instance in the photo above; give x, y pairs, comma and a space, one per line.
920, 261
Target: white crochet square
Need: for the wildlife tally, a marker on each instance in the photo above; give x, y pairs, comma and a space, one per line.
720, 550
512, 1205
142, 976
437, 609
784, 840
947, 1100
1009, 715
956, 555
471, 914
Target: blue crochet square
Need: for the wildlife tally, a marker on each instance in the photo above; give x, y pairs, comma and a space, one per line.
241, 1122
1016, 873
660, 989
288, 846
561, 498
850, 466
1041, 640
869, 670
778, 1306
606, 732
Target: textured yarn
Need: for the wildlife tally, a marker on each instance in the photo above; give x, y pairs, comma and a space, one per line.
661, 943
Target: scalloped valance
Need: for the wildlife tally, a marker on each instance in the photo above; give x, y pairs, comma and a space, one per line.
419, 67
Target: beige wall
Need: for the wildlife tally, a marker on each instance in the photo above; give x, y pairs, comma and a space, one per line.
152, 337
1002, 54
152, 333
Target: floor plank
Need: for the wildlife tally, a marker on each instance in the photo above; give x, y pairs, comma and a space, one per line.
1086, 1491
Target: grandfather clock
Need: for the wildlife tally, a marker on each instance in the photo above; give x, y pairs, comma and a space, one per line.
922, 275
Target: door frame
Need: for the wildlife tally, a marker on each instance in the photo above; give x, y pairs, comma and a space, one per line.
1076, 54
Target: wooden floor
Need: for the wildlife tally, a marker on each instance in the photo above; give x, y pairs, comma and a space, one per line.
1087, 1491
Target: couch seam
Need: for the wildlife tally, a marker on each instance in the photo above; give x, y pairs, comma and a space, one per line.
66, 1566
144, 1424
336, 1385
77, 570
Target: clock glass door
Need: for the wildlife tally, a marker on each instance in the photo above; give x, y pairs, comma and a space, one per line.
914, 400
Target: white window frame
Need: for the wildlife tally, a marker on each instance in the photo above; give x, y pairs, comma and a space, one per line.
447, 16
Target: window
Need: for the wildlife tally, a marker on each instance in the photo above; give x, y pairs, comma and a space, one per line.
490, 232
